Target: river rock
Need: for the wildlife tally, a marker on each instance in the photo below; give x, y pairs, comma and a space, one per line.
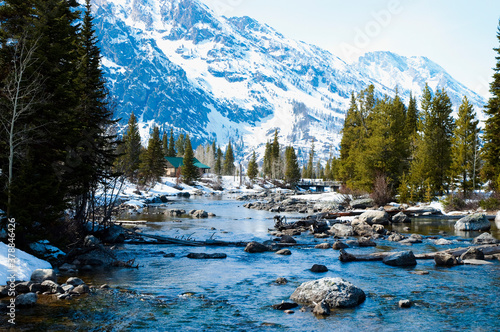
35, 287
284, 252
335, 292
285, 306
445, 259
472, 253
81, 289
318, 268
26, 300
342, 230
23, 287
40, 275
362, 203
485, 238
287, 239
443, 242
400, 218
321, 309
414, 238
361, 228
322, 246
473, 222
75, 281
404, 304
339, 245
253, 247
402, 258
51, 287
375, 217
379, 229
366, 242
114, 234
395, 237
281, 281
475, 262
199, 214
91, 241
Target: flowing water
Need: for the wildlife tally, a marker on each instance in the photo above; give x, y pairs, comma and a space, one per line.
236, 293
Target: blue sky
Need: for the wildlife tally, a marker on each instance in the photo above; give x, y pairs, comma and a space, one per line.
459, 35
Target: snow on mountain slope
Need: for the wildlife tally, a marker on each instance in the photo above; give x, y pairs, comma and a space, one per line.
174, 63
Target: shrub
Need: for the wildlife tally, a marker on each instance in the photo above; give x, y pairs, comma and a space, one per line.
491, 203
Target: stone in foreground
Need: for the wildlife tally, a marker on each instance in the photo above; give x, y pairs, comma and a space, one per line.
474, 222
254, 247
40, 275
335, 292
402, 258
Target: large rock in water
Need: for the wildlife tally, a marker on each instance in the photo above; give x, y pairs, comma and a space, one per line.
335, 292
375, 217
26, 300
401, 218
40, 275
362, 203
254, 247
485, 238
342, 230
402, 258
473, 222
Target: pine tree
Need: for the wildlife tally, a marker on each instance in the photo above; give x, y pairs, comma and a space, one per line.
292, 168
491, 149
171, 145
310, 174
268, 161
218, 162
180, 145
253, 168
152, 165
464, 147
275, 157
229, 160
130, 161
189, 171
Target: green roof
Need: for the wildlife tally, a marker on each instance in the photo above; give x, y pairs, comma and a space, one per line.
178, 162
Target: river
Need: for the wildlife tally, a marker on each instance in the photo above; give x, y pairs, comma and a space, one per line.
236, 293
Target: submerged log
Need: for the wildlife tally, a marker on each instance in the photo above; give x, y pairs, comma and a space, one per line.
487, 249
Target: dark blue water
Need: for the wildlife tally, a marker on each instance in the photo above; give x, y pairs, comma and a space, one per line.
236, 293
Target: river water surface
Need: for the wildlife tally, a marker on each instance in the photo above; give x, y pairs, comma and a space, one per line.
236, 293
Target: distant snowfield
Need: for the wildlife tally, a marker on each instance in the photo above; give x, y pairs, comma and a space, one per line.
25, 264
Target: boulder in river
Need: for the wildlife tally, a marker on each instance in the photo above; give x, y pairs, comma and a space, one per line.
342, 230
285, 306
404, 303
287, 239
445, 259
473, 222
26, 300
321, 309
281, 281
285, 252
366, 242
402, 258
322, 246
339, 245
40, 275
318, 268
485, 238
201, 255
400, 218
361, 228
253, 247
362, 203
375, 217
335, 292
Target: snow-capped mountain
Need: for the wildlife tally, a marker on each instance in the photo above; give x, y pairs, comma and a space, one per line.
175, 63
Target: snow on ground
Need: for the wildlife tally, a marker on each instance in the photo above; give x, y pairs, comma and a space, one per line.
25, 264
323, 197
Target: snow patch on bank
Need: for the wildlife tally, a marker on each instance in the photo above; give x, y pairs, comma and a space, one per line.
25, 264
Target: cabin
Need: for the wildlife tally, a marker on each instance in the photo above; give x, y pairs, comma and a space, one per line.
174, 164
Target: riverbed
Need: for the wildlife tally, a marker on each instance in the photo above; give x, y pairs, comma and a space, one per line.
236, 293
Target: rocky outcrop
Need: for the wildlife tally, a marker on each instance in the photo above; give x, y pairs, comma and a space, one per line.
402, 258
474, 222
334, 292
400, 218
375, 217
